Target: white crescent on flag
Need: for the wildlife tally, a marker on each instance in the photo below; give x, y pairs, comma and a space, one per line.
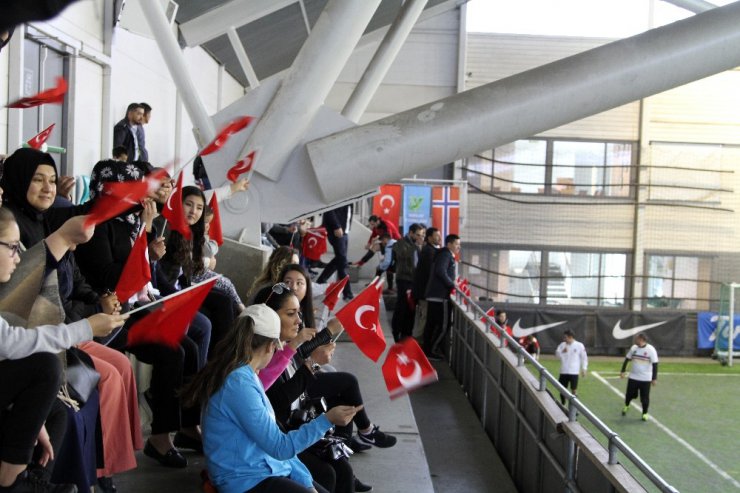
38, 140
312, 242
172, 194
412, 380
358, 316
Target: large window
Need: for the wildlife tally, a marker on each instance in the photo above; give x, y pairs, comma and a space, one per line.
548, 277
558, 167
676, 281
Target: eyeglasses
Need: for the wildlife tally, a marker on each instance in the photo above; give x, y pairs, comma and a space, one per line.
15, 248
278, 288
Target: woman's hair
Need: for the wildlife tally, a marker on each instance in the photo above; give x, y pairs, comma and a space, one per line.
188, 254
6, 217
307, 302
279, 258
236, 349
274, 296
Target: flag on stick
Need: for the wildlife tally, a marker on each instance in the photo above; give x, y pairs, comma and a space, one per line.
407, 368
136, 272
360, 318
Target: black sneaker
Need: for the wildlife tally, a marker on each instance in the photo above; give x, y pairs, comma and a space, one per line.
30, 483
377, 438
106, 485
357, 446
173, 457
361, 487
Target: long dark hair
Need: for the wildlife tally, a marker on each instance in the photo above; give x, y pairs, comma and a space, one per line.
234, 350
274, 298
188, 254
309, 319
280, 257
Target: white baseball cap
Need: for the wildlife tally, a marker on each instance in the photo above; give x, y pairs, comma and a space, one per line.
266, 321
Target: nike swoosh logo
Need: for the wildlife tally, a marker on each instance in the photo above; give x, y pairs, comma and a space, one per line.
526, 331
619, 333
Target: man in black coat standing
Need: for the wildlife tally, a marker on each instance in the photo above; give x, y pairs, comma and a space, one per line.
337, 223
126, 133
440, 285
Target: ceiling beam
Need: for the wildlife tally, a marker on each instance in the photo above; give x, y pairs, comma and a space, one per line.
233, 14
695, 6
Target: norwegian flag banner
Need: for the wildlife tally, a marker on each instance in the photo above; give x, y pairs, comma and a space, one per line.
52, 95
242, 166
174, 213
168, 319
333, 292
446, 210
360, 318
387, 204
314, 243
407, 368
40, 139
215, 231
225, 134
136, 271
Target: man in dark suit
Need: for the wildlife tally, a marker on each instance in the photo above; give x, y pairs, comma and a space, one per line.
126, 132
440, 285
337, 223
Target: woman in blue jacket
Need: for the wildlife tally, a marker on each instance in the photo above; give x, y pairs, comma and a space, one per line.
245, 449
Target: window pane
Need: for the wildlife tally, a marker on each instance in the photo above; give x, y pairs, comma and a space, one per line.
484, 165
572, 278
522, 284
583, 173
475, 273
511, 171
619, 160
613, 268
660, 283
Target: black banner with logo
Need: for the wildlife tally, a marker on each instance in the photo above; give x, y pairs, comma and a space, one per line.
547, 326
618, 329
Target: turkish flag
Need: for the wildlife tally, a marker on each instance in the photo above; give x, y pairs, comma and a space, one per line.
174, 213
223, 136
215, 232
115, 199
360, 318
168, 318
53, 95
387, 204
136, 272
314, 243
37, 141
242, 166
491, 313
407, 368
333, 292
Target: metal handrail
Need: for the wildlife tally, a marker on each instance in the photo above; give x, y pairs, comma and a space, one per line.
615, 442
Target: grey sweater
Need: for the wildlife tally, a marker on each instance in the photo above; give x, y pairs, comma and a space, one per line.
19, 342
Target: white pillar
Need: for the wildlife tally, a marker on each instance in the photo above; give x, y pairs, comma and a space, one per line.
241, 55
175, 61
695, 6
308, 82
526, 104
383, 58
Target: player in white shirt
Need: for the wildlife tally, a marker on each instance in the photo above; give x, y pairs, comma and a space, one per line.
573, 359
643, 373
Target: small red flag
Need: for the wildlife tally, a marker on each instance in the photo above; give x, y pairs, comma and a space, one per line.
407, 368
242, 166
215, 232
115, 199
314, 243
223, 136
174, 213
53, 95
37, 141
169, 317
333, 292
360, 318
491, 313
136, 272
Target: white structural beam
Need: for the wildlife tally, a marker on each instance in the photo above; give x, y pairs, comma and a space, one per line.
308, 83
173, 57
695, 6
527, 103
383, 59
241, 55
235, 13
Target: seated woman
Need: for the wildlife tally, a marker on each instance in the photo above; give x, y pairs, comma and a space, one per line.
245, 449
29, 368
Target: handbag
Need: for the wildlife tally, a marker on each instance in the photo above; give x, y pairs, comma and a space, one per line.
80, 375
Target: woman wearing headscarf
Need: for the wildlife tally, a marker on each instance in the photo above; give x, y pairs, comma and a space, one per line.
29, 178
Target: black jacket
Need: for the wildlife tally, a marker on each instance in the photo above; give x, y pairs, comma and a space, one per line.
423, 270
122, 137
336, 219
442, 279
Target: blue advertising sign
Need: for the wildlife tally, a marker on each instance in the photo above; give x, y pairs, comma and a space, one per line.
417, 205
707, 331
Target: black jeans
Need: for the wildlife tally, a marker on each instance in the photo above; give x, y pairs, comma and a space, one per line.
402, 323
334, 475
339, 388
30, 384
339, 263
281, 484
436, 326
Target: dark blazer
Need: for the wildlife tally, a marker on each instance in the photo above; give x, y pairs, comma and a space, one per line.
442, 279
336, 219
423, 270
122, 137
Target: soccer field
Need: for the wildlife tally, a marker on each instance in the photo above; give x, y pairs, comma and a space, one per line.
692, 438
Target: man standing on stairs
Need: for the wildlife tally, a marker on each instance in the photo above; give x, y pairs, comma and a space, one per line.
405, 257
337, 223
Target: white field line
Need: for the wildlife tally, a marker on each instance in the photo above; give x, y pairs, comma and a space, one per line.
664, 373
671, 434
